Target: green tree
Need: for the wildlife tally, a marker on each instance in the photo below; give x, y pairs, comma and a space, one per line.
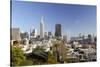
17, 56
51, 59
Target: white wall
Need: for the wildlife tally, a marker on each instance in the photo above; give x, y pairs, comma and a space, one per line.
5, 32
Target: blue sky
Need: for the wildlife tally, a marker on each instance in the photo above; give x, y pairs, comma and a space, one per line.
74, 19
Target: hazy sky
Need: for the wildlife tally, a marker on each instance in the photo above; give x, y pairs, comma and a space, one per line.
74, 19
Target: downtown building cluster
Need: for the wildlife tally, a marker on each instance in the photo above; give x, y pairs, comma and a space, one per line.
81, 47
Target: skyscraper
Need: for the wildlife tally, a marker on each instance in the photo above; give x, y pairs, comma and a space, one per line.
58, 30
50, 34
42, 27
24, 35
65, 38
33, 32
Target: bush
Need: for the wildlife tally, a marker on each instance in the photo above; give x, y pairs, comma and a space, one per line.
71, 60
26, 62
17, 56
51, 59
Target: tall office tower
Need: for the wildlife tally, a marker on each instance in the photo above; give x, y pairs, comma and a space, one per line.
15, 34
58, 30
42, 27
24, 35
80, 35
65, 38
93, 38
33, 32
50, 34
45, 34
30, 34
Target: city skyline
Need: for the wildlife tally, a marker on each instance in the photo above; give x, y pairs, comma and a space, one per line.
74, 19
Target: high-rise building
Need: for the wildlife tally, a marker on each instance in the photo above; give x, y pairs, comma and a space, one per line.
33, 32
50, 34
42, 27
58, 30
65, 38
45, 34
24, 35
15, 34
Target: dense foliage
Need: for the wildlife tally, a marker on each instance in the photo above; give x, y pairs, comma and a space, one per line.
18, 57
51, 59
